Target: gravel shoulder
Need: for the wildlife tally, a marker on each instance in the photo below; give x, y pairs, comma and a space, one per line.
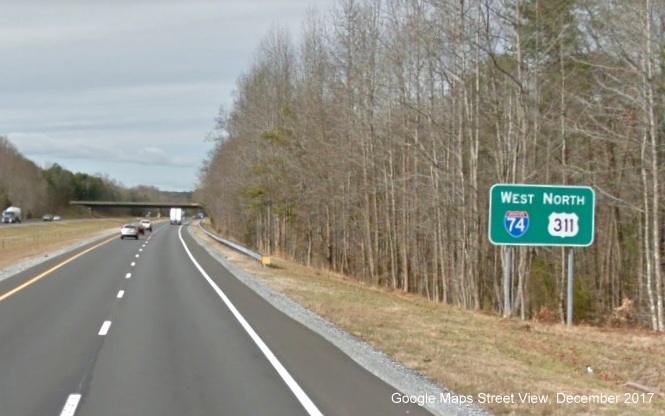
403, 379
490, 364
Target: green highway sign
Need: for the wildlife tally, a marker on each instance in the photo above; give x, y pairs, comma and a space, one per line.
541, 215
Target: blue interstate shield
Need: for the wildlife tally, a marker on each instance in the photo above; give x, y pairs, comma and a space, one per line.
516, 223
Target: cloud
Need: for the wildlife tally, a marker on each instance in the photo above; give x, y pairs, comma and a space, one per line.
123, 150
154, 155
111, 107
171, 168
127, 87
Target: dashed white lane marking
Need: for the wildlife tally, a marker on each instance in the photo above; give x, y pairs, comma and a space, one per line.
105, 328
137, 255
133, 264
140, 249
121, 294
297, 391
128, 275
70, 405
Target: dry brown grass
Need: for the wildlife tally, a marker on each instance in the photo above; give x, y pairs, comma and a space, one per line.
20, 243
472, 353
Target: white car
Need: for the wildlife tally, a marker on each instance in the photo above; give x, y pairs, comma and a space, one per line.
129, 230
146, 224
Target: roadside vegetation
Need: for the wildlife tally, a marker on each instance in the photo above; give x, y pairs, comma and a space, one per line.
474, 352
369, 146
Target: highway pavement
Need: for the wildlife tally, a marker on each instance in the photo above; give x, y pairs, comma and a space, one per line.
158, 327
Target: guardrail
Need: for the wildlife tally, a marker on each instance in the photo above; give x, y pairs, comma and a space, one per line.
265, 260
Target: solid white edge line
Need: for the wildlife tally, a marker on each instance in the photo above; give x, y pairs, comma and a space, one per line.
121, 294
105, 328
70, 405
300, 394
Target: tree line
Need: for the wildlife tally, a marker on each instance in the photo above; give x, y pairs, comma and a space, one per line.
50, 189
369, 145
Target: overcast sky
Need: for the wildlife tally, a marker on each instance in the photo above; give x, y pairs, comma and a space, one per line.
128, 88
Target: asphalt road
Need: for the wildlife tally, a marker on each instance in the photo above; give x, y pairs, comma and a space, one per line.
157, 327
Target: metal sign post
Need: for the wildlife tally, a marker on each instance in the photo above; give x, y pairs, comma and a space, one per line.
507, 281
571, 264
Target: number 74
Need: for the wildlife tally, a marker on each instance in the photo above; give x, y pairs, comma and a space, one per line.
516, 222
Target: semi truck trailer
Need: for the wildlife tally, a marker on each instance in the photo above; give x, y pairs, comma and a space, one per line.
176, 216
11, 215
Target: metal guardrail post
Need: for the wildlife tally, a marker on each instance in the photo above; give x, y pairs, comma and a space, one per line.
264, 260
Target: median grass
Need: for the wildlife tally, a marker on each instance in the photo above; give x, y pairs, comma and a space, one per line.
23, 242
473, 353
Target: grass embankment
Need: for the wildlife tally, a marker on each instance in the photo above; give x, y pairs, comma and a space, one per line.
22, 242
473, 353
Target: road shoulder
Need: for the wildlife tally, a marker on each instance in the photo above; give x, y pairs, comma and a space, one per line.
373, 360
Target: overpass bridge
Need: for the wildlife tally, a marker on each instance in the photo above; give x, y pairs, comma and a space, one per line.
126, 204
158, 206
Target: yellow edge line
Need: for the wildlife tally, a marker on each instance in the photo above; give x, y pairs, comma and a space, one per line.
52, 269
